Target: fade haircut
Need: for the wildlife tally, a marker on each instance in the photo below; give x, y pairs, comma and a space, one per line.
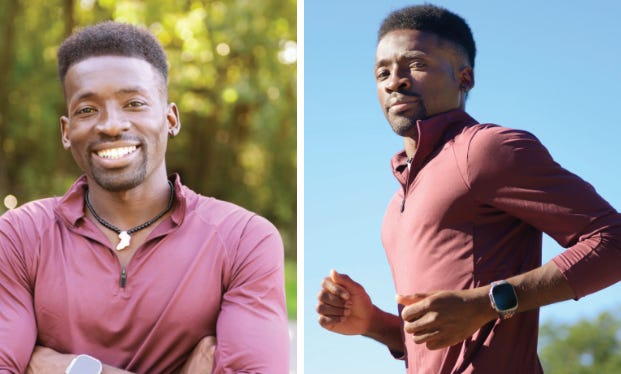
111, 38
437, 20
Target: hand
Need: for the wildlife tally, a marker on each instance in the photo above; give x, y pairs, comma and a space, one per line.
444, 318
344, 305
202, 357
47, 360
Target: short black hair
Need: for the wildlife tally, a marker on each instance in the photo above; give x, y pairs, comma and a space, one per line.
111, 38
434, 19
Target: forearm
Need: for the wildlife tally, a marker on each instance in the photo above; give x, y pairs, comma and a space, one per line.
536, 288
47, 360
444, 318
542, 286
386, 329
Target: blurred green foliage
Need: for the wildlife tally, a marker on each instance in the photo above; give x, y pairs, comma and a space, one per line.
232, 73
585, 347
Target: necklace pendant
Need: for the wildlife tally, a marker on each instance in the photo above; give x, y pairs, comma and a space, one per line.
124, 243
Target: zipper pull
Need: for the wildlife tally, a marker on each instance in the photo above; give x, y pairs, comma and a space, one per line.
407, 181
123, 278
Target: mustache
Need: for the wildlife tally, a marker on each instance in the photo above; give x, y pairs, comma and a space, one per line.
402, 96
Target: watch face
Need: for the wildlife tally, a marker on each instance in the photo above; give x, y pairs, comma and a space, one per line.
504, 296
84, 364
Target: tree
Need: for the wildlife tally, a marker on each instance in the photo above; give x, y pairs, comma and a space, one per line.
233, 75
586, 347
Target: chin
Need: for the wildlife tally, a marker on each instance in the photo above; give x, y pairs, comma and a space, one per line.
116, 183
403, 127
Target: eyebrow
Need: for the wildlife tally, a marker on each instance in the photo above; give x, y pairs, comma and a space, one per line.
124, 91
406, 55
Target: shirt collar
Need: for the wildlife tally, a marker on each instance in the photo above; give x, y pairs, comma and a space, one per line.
71, 204
432, 132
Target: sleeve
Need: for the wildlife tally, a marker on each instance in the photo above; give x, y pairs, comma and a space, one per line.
512, 171
252, 329
18, 330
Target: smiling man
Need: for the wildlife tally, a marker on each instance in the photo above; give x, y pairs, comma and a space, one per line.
131, 270
463, 233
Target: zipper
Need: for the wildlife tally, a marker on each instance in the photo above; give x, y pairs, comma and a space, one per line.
407, 183
123, 280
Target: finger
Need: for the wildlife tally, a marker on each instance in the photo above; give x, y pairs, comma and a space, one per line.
421, 326
421, 322
332, 287
208, 344
207, 350
410, 299
329, 310
425, 337
413, 312
326, 297
328, 322
345, 281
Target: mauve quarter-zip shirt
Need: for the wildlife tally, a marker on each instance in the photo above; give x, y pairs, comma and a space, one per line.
471, 210
210, 268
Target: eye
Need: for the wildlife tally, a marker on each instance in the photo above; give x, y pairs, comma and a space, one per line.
382, 74
135, 104
417, 64
85, 110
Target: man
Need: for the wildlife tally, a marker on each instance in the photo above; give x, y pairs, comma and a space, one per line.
463, 234
130, 269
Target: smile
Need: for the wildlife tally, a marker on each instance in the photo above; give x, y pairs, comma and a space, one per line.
116, 153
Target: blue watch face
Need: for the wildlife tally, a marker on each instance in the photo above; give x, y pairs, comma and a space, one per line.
85, 365
504, 296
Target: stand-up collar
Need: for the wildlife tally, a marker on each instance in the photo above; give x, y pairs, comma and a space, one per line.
71, 205
432, 132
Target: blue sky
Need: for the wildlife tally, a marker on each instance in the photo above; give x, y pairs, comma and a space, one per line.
549, 67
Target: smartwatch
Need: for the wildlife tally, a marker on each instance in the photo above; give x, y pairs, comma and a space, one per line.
503, 298
84, 364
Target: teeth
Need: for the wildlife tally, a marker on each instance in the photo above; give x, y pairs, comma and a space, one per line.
114, 153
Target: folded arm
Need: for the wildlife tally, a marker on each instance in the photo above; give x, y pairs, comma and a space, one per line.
252, 326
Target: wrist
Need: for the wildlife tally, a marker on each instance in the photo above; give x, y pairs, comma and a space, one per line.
385, 328
374, 325
486, 311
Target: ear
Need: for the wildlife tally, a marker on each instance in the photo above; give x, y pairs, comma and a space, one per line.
64, 132
174, 122
466, 78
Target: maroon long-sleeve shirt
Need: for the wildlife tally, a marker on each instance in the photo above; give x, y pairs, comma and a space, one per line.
210, 268
471, 210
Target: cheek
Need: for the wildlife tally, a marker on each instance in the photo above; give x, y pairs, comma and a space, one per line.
381, 96
443, 90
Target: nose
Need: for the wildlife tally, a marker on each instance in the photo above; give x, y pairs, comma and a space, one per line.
113, 122
398, 80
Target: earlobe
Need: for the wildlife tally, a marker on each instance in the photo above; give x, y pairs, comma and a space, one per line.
64, 124
174, 123
466, 79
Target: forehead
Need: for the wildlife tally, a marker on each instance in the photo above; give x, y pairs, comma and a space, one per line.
397, 43
101, 72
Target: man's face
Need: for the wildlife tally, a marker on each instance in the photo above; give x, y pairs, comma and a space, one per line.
118, 120
418, 75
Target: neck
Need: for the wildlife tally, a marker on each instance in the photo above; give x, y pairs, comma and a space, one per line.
410, 145
126, 209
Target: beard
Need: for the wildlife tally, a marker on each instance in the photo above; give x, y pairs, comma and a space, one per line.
404, 123
123, 182
121, 179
